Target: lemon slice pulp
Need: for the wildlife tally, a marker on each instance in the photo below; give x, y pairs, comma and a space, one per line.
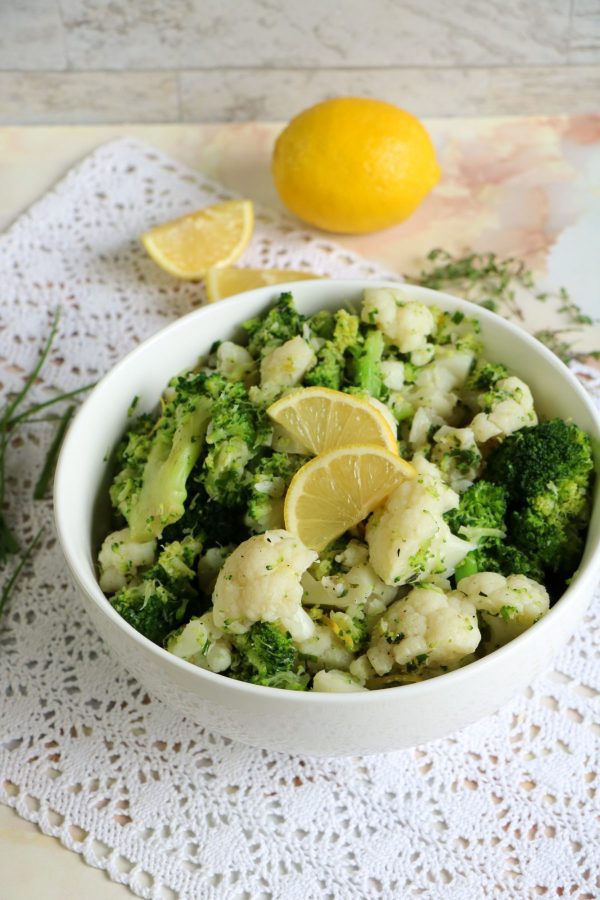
215, 236
338, 489
321, 419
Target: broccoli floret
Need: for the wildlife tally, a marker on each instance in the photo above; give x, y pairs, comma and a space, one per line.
205, 518
267, 484
131, 457
485, 377
481, 518
267, 656
546, 470
158, 603
329, 370
482, 506
346, 332
343, 335
280, 324
367, 363
322, 324
150, 490
237, 432
510, 560
494, 555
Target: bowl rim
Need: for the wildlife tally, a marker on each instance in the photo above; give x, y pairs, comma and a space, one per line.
92, 591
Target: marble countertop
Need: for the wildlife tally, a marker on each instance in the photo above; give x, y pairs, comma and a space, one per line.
527, 187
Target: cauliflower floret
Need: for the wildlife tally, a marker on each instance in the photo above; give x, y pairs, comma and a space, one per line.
434, 389
361, 668
392, 373
120, 558
260, 582
336, 682
507, 407
359, 587
234, 362
454, 366
406, 324
408, 536
286, 365
326, 648
201, 643
509, 606
427, 627
209, 566
353, 554
423, 355
457, 455
420, 427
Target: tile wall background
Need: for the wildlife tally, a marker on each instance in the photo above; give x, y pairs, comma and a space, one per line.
89, 61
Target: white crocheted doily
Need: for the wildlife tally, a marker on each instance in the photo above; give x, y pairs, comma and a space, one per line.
506, 808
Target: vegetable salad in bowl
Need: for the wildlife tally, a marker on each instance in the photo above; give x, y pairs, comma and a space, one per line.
344, 501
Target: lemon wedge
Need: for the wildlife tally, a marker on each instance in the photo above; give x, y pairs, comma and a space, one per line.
225, 281
214, 236
335, 491
320, 419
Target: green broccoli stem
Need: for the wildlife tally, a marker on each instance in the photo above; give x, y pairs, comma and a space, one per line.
467, 567
171, 459
368, 370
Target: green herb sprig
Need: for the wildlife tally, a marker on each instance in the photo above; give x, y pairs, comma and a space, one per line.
12, 415
496, 283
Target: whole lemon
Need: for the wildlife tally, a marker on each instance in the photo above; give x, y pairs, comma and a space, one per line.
354, 165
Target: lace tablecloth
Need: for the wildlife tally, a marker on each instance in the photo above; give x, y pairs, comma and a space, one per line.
507, 807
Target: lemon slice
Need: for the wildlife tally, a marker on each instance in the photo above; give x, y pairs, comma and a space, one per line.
228, 280
321, 419
337, 490
214, 236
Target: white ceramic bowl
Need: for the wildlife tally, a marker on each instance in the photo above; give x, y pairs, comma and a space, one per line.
305, 723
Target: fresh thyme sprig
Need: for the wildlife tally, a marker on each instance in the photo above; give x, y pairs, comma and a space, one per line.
495, 283
12, 415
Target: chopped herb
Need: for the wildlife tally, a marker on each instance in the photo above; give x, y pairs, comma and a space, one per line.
496, 283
